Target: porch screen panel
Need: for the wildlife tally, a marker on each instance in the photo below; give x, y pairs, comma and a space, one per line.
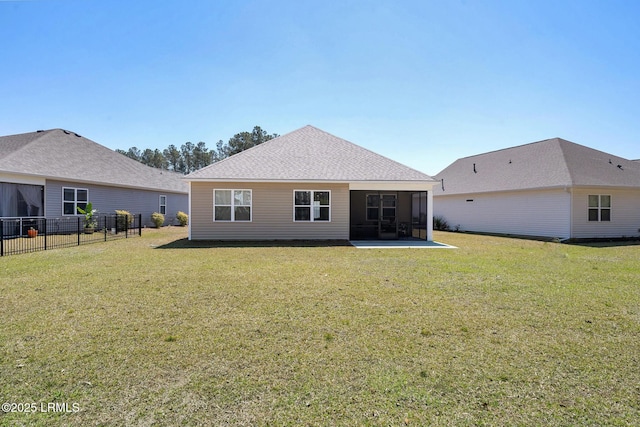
21, 200
419, 215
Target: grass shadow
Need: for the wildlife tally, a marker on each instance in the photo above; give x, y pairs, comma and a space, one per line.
207, 244
604, 243
592, 242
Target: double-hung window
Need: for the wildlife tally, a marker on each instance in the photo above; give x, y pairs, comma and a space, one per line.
388, 204
74, 198
312, 206
599, 207
232, 205
163, 205
373, 207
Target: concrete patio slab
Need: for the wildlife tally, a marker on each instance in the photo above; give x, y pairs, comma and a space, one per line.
399, 244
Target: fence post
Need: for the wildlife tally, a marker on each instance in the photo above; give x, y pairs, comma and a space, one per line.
139, 224
78, 231
45, 232
1, 237
126, 227
105, 228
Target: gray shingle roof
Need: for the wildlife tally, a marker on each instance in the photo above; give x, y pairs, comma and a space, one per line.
308, 154
63, 155
544, 164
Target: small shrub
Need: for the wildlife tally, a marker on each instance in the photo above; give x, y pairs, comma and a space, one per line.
158, 219
183, 218
124, 220
439, 223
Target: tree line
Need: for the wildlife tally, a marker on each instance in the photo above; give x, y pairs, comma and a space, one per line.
190, 157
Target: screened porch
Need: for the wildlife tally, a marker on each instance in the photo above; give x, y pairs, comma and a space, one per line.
387, 215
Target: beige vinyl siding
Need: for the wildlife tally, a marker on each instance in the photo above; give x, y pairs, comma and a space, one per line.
271, 211
625, 214
544, 213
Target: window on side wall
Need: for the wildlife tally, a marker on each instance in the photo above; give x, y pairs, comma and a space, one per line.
599, 207
74, 198
163, 205
232, 205
311, 206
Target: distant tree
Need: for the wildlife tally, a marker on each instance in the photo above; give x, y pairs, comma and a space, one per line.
191, 157
158, 160
245, 140
201, 156
187, 157
220, 152
147, 157
172, 156
132, 153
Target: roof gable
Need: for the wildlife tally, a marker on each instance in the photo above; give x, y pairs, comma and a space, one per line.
64, 155
308, 154
552, 163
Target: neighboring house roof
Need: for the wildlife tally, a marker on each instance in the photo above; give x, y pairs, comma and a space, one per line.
544, 164
67, 156
308, 154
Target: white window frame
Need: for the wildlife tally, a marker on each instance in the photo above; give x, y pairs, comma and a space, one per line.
599, 208
75, 200
233, 205
162, 205
311, 216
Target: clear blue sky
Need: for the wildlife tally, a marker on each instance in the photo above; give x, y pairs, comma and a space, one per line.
422, 82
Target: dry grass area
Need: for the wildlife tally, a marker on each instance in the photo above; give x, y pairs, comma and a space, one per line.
154, 331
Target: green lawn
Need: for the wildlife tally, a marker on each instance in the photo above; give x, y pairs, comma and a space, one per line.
148, 332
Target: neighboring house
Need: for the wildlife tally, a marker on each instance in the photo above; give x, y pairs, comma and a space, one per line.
551, 188
309, 184
50, 173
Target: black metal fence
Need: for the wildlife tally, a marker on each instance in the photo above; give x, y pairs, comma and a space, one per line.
31, 234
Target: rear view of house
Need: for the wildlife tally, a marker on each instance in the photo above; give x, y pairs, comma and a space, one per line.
551, 188
309, 184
